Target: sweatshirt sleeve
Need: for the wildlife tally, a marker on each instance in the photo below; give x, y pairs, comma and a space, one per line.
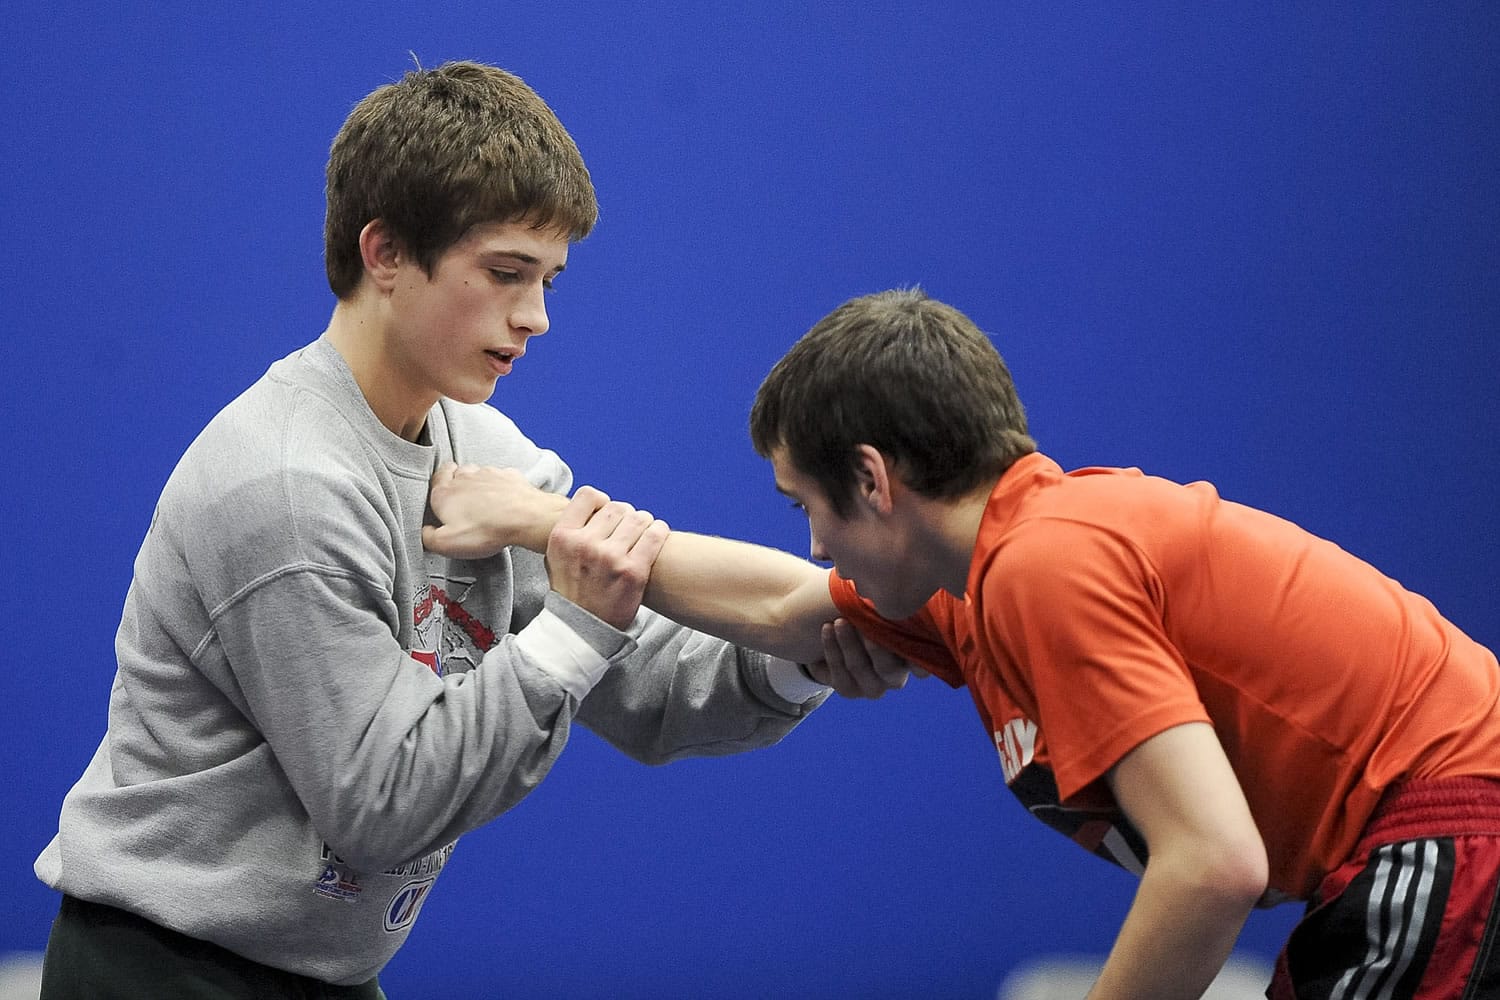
680, 693
389, 760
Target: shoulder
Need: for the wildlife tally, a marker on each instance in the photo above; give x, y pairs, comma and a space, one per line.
1058, 563
276, 436
277, 479
1097, 514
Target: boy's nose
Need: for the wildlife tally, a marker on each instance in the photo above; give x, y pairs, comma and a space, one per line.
530, 313
819, 554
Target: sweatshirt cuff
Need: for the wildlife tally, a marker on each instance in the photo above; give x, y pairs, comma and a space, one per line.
562, 654
788, 680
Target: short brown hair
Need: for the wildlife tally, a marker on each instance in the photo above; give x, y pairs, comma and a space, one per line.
441, 151
906, 374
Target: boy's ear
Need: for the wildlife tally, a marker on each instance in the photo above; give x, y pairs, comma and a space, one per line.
874, 479
380, 253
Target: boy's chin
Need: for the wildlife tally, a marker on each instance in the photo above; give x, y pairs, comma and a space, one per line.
474, 394
896, 609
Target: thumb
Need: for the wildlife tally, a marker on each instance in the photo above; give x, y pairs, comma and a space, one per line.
447, 540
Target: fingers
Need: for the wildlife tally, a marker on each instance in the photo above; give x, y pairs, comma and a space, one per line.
892, 670
634, 535
595, 518
601, 552
483, 509
856, 667
819, 672
847, 674
648, 545
586, 502
450, 472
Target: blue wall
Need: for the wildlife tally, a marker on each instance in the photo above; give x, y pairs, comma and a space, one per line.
1256, 245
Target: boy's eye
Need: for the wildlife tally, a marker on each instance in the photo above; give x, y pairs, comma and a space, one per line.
513, 277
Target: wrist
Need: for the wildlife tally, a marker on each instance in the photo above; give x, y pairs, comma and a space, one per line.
547, 513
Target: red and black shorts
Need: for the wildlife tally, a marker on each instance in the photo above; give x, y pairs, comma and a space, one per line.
1413, 914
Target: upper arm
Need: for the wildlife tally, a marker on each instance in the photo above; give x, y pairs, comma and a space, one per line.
1181, 793
1080, 610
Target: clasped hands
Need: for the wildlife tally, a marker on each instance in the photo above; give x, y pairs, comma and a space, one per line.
599, 555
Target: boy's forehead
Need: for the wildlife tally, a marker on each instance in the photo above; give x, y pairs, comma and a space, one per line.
789, 479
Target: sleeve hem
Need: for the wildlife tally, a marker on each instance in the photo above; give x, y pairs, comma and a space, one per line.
788, 681
562, 653
1096, 763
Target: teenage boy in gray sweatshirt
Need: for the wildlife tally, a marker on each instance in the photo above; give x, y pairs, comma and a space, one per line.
310, 708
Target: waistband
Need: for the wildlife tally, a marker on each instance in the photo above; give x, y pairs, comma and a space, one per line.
1434, 807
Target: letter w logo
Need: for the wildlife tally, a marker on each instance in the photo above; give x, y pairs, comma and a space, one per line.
403, 908
1016, 742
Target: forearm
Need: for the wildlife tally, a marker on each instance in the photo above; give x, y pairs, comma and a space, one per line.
1177, 936
749, 594
363, 769
1206, 870
682, 693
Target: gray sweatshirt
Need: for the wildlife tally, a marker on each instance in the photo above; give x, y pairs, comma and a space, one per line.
309, 709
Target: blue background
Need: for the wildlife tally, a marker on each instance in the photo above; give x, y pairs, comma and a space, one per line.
1257, 244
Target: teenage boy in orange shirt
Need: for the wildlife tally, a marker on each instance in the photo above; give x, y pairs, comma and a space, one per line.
1199, 691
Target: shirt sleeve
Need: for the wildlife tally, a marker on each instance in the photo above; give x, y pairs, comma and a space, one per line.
1081, 612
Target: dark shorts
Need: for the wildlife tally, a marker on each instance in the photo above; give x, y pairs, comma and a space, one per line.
1413, 914
97, 952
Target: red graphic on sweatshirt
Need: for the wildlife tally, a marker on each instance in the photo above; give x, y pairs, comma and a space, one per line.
479, 634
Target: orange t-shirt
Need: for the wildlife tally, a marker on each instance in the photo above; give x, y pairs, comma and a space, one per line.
1104, 606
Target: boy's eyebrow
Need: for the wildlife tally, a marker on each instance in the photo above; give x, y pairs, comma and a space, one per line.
524, 258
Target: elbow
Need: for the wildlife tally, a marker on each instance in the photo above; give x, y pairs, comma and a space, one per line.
366, 850
1245, 885
372, 836
1237, 875
1227, 877
652, 756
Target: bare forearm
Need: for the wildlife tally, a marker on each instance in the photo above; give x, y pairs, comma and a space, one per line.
1178, 934
1206, 870
749, 594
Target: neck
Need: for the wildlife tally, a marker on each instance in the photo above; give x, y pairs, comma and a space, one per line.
953, 526
357, 332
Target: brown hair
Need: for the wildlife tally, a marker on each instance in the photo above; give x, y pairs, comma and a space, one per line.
906, 374
443, 150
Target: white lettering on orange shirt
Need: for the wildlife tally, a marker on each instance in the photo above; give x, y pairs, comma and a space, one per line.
1016, 743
